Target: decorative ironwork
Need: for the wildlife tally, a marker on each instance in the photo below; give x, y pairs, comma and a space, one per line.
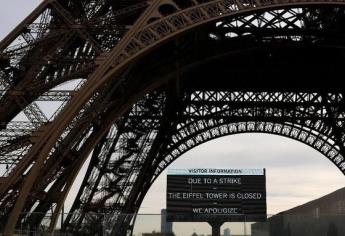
139, 83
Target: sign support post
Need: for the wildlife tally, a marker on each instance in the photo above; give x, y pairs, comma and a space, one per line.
216, 227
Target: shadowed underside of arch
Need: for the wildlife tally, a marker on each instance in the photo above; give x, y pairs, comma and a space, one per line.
194, 70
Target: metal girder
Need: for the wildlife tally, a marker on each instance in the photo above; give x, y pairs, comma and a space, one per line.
67, 49
113, 165
27, 75
192, 132
131, 47
53, 95
101, 43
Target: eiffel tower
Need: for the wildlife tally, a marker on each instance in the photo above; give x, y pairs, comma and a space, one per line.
134, 84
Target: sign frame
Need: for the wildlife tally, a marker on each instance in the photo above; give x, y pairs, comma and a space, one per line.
216, 195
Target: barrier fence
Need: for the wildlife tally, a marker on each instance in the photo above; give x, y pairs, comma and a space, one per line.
309, 224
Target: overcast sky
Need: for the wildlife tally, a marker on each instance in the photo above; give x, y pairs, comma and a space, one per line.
295, 172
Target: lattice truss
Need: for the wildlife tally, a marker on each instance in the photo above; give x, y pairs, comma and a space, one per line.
284, 23
208, 115
55, 53
49, 50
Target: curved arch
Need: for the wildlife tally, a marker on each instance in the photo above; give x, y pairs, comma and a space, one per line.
207, 132
318, 142
138, 41
118, 68
195, 132
145, 37
127, 52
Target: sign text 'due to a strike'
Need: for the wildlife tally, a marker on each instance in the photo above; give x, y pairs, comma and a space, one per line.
215, 180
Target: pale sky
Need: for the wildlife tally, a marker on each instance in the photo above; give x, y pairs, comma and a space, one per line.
296, 173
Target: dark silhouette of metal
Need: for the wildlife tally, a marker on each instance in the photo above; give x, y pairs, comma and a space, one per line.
153, 79
332, 230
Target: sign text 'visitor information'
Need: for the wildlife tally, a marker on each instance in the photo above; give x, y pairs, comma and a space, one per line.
216, 195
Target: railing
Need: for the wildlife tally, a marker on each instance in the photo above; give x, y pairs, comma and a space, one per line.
283, 224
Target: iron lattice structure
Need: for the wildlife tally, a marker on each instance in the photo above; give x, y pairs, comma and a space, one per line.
133, 85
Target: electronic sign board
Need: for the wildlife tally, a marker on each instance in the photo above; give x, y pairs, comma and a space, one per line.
205, 195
